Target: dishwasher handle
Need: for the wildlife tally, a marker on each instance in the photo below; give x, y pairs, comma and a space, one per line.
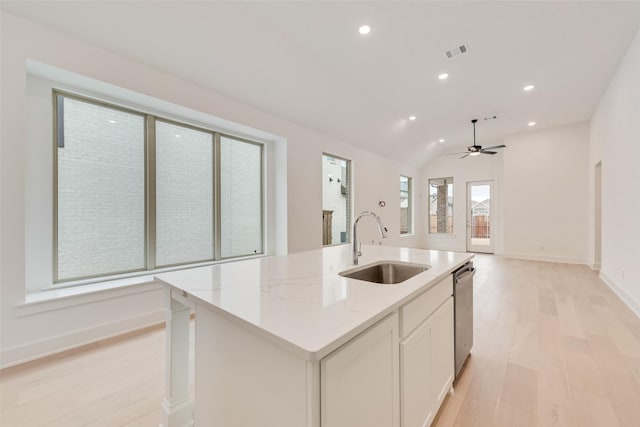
466, 275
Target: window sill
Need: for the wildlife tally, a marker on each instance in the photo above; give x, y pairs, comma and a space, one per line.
407, 236
56, 297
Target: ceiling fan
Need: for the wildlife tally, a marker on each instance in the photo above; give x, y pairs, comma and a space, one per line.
474, 150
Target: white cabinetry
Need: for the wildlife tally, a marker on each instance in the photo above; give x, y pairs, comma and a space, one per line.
359, 382
417, 378
426, 354
395, 373
442, 351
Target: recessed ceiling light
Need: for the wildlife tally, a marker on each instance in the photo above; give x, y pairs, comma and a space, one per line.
412, 117
441, 140
443, 76
531, 123
112, 121
364, 29
527, 88
177, 136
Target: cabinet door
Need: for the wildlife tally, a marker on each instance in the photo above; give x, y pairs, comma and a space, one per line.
426, 367
416, 377
359, 382
442, 351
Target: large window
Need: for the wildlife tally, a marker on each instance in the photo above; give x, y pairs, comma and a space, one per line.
336, 200
406, 205
441, 206
135, 192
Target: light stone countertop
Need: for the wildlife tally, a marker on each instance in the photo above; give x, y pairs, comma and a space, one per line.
300, 302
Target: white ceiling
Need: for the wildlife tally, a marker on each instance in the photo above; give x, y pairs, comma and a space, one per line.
306, 61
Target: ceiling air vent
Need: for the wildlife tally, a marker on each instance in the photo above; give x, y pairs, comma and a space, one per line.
463, 48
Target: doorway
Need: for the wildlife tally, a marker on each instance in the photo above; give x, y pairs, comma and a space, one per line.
480, 227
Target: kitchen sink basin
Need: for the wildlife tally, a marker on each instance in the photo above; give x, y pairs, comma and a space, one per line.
385, 272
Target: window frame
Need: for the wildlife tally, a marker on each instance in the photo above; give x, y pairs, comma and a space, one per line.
150, 211
436, 233
410, 224
218, 194
349, 202
152, 179
57, 96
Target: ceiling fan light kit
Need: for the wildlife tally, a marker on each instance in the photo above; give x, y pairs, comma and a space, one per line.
476, 150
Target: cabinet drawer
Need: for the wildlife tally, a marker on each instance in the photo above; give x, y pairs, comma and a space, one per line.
415, 312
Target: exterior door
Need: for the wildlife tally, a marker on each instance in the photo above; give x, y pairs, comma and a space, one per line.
480, 227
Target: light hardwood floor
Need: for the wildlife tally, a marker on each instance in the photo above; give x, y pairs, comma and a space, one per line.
553, 347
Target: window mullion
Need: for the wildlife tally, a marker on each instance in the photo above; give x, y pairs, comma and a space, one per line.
150, 187
217, 243
58, 134
262, 201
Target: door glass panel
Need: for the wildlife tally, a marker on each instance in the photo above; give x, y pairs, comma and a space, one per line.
480, 223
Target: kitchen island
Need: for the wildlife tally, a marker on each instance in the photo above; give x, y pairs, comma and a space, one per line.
286, 341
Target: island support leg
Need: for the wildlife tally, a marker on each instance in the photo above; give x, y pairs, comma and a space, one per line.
177, 405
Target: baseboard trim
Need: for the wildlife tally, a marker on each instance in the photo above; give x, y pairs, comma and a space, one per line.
545, 258
622, 294
44, 348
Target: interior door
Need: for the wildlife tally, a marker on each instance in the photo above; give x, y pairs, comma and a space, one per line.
480, 224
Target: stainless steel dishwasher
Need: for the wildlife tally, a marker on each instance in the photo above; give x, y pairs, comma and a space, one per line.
463, 313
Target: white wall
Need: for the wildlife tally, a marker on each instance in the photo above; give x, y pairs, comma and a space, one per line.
615, 141
540, 195
479, 168
544, 194
34, 330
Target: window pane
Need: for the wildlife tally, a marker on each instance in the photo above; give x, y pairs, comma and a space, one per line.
240, 198
441, 206
184, 194
405, 205
335, 200
101, 190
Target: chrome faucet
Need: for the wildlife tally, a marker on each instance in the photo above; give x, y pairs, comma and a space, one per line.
381, 227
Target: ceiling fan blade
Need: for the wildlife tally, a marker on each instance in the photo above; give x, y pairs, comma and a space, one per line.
494, 147
489, 152
464, 155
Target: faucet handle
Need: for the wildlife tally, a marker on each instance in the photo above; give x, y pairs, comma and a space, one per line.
360, 249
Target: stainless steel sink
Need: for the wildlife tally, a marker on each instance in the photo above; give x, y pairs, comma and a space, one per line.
385, 272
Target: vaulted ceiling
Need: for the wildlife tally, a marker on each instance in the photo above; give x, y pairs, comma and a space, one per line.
307, 62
